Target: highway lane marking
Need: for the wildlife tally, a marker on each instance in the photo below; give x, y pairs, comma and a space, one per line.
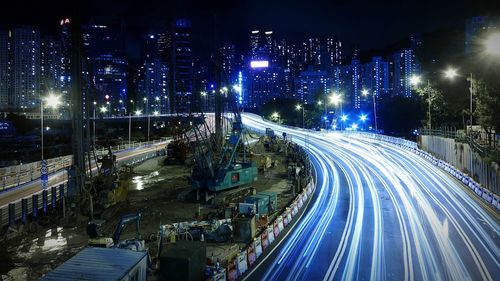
432, 219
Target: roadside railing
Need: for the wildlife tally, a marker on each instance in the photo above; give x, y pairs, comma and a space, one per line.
482, 192
14, 176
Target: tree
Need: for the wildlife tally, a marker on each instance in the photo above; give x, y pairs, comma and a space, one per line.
487, 108
438, 105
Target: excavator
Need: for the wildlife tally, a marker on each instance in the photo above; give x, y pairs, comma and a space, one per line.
108, 187
97, 239
178, 148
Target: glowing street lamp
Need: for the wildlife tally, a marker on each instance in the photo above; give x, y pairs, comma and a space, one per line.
343, 118
52, 101
365, 92
354, 126
276, 116
237, 88
492, 44
362, 117
103, 109
415, 80
335, 99
138, 112
450, 73
156, 113
299, 107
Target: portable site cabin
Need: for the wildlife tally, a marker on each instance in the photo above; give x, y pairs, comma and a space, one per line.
102, 264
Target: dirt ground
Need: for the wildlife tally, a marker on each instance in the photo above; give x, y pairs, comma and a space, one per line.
161, 193
154, 190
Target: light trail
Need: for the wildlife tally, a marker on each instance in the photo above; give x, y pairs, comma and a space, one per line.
382, 213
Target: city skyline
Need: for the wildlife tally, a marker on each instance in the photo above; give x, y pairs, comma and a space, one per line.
360, 23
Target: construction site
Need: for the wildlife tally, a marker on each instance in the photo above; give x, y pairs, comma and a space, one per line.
205, 208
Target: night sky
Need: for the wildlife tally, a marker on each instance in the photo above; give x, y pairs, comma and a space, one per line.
370, 24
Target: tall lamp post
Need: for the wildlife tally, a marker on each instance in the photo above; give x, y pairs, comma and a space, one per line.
52, 101
146, 100
451, 73
365, 93
299, 107
336, 99
415, 80
93, 127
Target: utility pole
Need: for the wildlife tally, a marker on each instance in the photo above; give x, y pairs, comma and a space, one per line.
429, 105
218, 98
375, 112
471, 90
77, 106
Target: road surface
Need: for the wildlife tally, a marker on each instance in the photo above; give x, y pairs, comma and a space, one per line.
27, 189
382, 213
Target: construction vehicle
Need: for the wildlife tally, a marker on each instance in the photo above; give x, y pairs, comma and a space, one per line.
107, 186
96, 238
217, 169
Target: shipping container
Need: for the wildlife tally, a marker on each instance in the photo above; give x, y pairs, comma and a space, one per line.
261, 203
273, 200
106, 264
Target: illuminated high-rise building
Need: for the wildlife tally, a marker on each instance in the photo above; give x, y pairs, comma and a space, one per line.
65, 43
254, 43
153, 84
404, 67
183, 66
25, 69
105, 42
312, 83
228, 63
51, 68
4, 70
375, 80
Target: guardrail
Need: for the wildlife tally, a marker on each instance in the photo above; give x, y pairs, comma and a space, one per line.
393, 140
42, 202
481, 192
14, 176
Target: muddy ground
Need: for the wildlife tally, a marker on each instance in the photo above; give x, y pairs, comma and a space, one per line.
161, 193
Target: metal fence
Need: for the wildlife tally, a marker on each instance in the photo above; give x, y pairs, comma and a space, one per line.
14, 176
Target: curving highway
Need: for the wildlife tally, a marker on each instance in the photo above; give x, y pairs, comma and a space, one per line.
382, 213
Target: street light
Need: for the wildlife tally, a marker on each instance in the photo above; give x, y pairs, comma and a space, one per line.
448, 74
276, 115
415, 80
103, 109
299, 107
52, 101
93, 127
204, 96
337, 99
492, 44
365, 93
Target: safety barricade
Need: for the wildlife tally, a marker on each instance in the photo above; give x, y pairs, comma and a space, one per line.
262, 242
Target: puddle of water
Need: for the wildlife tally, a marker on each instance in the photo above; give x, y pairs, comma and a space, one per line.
142, 182
53, 241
